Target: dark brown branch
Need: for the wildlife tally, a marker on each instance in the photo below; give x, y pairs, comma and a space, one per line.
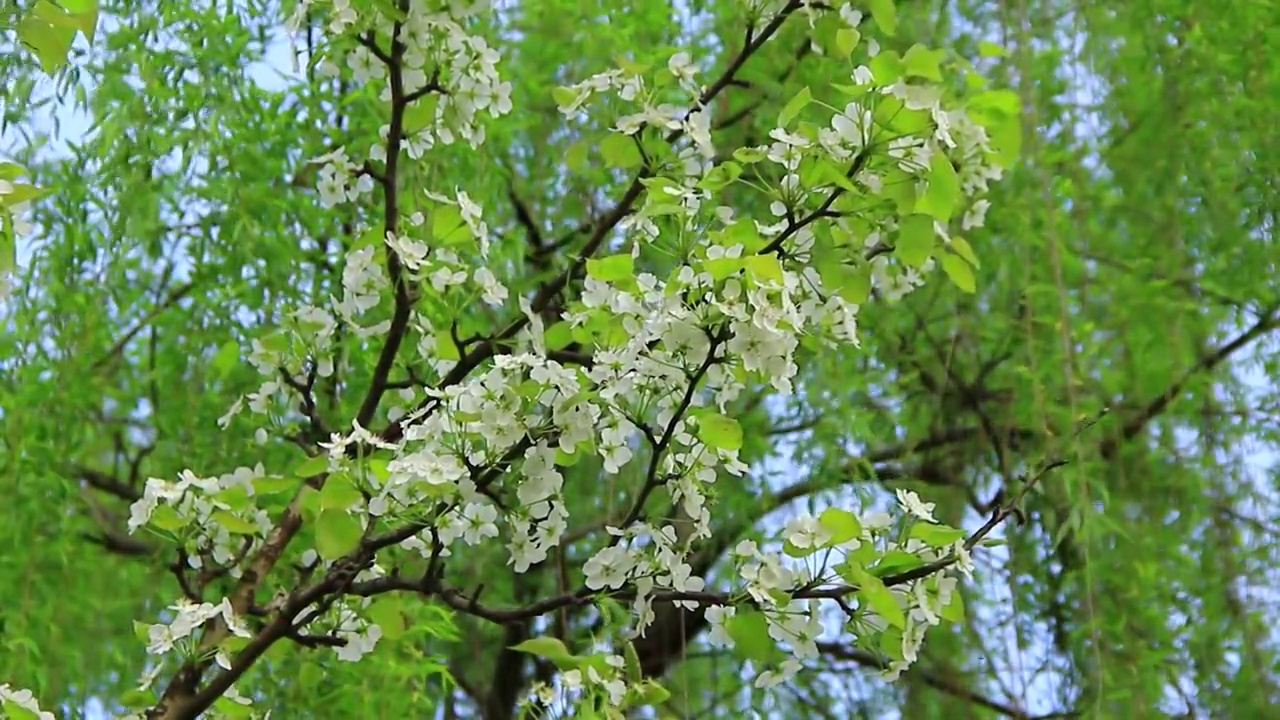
106, 483
1265, 324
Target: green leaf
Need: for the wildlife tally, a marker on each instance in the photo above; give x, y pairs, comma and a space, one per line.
651, 693
959, 271
961, 247
339, 493
420, 114
633, 663
546, 647
795, 551
14, 711
922, 62
166, 518
447, 225
233, 523
225, 707
744, 233
564, 459
986, 48
896, 561
387, 611
1002, 102
1006, 139
722, 267
794, 106
936, 535
891, 643
20, 193
48, 41
846, 40
886, 68
943, 194
11, 171
620, 151
389, 10
8, 246
84, 14
274, 485
953, 611
842, 524
226, 358
446, 348
612, 268
880, 599
915, 240
885, 15
337, 533
719, 432
312, 466
826, 171
721, 176
564, 96
378, 467
135, 698
558, 336
853, 283
750, 633
576, 157
764, 268
276, 341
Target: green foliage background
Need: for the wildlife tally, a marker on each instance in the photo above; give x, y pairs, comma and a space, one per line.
1129, 262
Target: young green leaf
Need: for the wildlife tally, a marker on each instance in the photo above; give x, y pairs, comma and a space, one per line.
545, 647
719, 432
959, 272
764, 268
612, 268
915, 240
620, 151
794, 106
312, 466
339, 493
953, 611
880, 599
886, 16
750, 633
846, 40
233, 523
961, 247
842, 524
943, 194
935, 535
922, 62
225, 359
337, 533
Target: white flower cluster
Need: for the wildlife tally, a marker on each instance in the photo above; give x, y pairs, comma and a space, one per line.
770, 577
603, 677
22, 699
188, 617
214, 514
440, 57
